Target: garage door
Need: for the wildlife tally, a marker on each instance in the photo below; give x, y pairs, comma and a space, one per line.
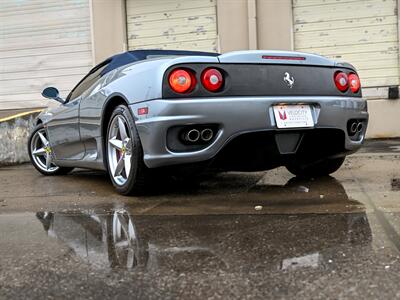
42, 43
363, 32
172, 24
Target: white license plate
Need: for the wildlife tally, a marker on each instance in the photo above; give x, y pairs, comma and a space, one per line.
293, 116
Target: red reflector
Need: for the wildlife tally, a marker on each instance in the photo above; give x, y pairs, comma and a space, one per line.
341, 81
212, 80
283, 57
354, 82
143, 111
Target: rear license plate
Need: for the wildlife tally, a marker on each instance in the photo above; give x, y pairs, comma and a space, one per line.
293, 116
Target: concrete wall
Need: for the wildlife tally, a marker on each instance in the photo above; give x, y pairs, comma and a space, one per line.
14, 135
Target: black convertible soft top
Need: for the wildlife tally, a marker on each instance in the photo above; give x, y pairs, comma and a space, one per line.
128, 57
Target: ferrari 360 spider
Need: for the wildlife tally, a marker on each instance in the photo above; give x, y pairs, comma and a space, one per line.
147, 110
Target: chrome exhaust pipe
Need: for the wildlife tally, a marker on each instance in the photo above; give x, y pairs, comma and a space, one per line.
359, 127
192, 135
353, 127
207, 134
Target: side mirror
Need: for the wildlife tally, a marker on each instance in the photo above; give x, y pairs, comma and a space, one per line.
52, 93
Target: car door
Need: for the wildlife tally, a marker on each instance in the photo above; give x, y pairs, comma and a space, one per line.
63, 130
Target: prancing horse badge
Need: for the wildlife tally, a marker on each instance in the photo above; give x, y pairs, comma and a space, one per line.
288, 79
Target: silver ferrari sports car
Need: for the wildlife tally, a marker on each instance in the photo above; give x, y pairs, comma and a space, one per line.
148, 110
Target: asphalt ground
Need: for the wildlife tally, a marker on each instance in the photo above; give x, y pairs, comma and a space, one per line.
228, 236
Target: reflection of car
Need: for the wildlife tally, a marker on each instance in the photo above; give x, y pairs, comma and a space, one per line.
198, 243
250, 110
100, 240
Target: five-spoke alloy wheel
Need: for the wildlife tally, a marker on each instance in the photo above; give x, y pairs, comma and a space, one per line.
41, 154
124, 152
119, 150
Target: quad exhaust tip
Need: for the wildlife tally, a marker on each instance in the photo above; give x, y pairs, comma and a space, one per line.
192, 135
359, 127
356, 127
353, 127
207, 134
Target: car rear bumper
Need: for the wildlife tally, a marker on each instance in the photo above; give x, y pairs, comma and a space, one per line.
235, 116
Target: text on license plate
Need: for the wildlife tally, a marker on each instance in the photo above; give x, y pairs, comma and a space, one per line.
293, 116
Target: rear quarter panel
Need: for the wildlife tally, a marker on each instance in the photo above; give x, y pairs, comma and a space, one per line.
137, 82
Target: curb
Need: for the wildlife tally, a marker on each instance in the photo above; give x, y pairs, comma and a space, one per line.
14, 134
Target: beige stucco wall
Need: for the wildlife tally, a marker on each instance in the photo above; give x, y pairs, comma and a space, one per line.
254, 24
384, 118
232, 25
275, 24
108, 19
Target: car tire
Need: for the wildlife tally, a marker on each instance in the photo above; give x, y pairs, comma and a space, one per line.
122, 142
318, 169
36, 146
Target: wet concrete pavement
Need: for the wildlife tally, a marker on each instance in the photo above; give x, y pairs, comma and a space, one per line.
74, 237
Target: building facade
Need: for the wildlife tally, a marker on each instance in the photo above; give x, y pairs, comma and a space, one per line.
55, 42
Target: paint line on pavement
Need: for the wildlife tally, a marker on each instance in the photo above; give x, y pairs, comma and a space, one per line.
22, 114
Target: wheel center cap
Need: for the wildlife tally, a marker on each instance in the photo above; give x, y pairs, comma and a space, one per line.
47, 149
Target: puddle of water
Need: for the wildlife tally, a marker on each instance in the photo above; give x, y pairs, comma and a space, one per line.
296, 228
119, 239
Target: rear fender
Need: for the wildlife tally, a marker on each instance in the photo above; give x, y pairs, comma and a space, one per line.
143, 81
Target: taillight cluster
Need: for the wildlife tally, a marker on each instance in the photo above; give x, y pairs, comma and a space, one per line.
184, 81
343, 81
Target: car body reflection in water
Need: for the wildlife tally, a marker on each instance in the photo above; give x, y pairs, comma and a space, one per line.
108, 240
234, 242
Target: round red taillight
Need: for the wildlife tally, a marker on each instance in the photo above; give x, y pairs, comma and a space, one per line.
354, 82
341, 81
182, 81
212, 80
